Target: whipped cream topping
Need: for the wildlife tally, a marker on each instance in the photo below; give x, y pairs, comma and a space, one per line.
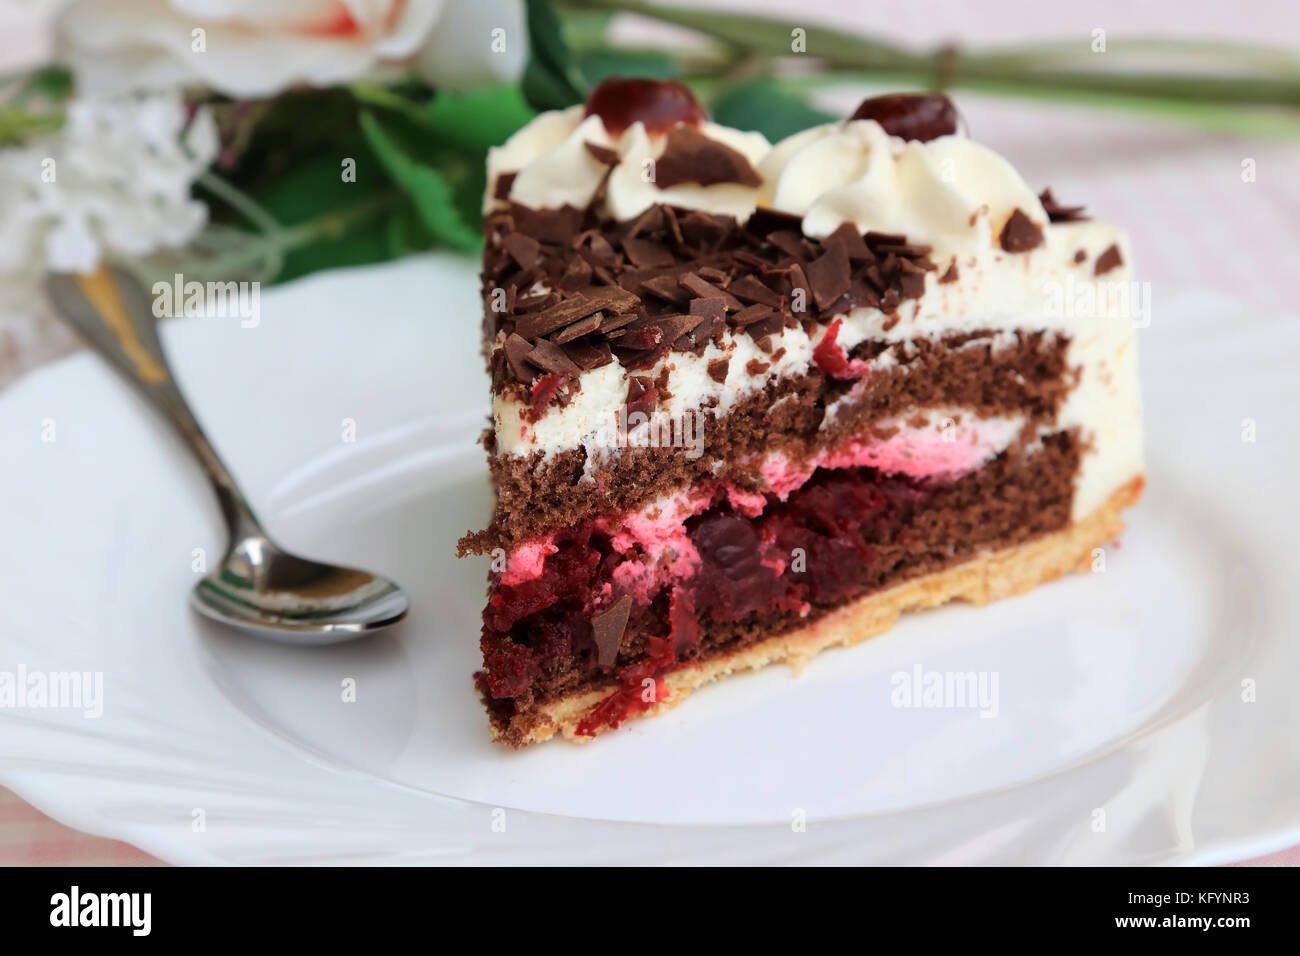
554, 168
949, 193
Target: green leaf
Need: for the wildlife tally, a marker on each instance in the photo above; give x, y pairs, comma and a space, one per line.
405, 233
586, 28
52, 81
596, 65
362, 243
551, 80
435, 200
478, 120
763, 106
317, 186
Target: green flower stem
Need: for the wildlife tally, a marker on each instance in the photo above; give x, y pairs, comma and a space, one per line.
1028, 71
240, 201
17, 124
251, 210
264, 253
385, 98
1052, 54
331, 225
1216, 117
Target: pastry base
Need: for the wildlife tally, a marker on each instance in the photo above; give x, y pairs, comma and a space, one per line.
986, 577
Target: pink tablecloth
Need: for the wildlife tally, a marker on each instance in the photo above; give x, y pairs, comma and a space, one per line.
30, 838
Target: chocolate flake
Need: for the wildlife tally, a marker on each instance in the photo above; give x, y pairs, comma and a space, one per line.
547, 225
749, 289
911, 279
671, 280
536, 324
691, 157
602, 154
501, 188
848, 237
707, 290
644, 252
525, 250
1021, 233
546, 354
607, 628
611, 322
709, 307
789, 242
674, 327
1058, 213
665, 287
718, 369
951, 275
750, 314
580, 328
577, 274
764, 221
517, 348
1110, 259
587, 354
875, 239
829, 276
705, 230
651, 220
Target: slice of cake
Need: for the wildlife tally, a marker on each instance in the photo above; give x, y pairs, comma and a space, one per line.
751, 401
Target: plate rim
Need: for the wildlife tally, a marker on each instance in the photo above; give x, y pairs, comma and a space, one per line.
40, 790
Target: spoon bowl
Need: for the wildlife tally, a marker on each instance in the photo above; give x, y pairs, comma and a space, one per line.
262, 589
258, 587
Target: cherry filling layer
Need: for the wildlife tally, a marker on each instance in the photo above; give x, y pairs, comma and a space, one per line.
815, 549
740, 570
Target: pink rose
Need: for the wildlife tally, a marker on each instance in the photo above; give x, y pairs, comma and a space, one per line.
256, 48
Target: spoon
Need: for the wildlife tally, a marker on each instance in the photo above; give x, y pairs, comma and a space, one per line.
258, 587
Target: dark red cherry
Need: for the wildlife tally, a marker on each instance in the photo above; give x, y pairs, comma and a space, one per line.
659, 104
919, 116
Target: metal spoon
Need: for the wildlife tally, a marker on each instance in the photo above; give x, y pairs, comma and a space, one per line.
258, 587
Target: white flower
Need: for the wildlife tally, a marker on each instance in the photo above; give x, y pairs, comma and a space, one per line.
114, 180
256, 48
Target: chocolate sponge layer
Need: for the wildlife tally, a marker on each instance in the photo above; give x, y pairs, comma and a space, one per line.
1028, 377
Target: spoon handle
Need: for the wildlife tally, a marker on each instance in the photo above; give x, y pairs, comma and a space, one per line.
110, 309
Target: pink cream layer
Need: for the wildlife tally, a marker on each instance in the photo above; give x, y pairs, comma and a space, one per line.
942, 443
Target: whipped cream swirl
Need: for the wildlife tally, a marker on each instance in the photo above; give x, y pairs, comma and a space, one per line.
554, 168
950, 192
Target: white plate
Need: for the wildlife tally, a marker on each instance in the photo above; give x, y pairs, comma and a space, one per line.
1121, 734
